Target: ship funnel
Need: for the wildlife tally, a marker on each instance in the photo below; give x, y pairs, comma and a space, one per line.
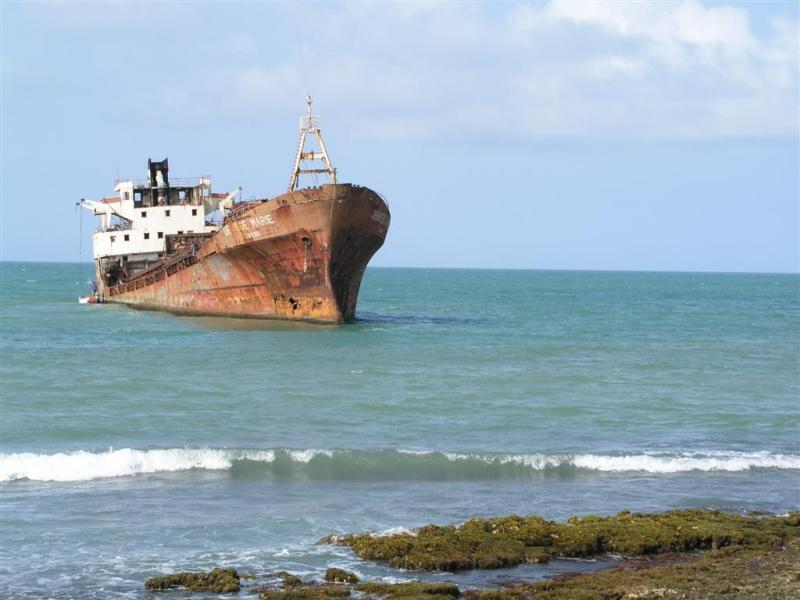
158, 173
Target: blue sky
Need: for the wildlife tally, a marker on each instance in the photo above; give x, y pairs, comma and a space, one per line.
548, 135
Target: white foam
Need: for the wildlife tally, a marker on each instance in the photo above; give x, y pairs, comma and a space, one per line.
690, 461
82, 466
650, 463
305, 456
535, 461
267, 456
394, 531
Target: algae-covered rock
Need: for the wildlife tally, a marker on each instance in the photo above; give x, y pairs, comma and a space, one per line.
218, 580
744, 572
334, 575
308, 593
428, 590
288, 580
333, 538
512, 540
419, 597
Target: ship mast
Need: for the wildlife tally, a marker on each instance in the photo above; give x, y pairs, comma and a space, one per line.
309, 125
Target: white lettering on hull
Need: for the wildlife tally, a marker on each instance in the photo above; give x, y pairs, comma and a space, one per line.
251, 227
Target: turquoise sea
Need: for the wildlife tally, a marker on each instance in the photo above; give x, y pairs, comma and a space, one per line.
138, 443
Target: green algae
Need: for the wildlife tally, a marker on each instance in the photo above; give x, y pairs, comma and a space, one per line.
414, 589
335, 575
734, 572
307, 593
288, 580
219, 580
753, 556
419, 597
512, 540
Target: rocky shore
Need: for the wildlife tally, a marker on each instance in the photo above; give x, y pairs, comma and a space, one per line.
678, 554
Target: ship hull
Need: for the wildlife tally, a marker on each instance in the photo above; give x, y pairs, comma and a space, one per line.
300, 256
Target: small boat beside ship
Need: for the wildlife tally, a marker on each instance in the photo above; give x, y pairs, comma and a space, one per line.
175, 245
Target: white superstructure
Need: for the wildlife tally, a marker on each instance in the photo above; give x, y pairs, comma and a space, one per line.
136, 224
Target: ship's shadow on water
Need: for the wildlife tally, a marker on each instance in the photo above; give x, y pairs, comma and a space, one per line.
209, 323
367, 318
221, 324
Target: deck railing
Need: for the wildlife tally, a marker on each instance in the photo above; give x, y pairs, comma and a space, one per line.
173, 182
154, 274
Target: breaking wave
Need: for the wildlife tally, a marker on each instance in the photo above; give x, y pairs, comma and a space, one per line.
315, 464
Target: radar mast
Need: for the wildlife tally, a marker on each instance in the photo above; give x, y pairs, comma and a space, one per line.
309, 125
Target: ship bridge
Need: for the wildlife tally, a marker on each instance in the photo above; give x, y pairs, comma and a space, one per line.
140, 225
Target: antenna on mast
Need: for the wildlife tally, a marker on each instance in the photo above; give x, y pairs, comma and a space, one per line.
309, 125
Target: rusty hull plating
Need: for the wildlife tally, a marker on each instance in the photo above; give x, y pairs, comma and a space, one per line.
299, 256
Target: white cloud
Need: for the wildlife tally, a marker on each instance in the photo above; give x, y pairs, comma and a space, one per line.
589, 69
687, 22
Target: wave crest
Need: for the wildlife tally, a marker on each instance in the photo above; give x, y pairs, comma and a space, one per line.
369, 464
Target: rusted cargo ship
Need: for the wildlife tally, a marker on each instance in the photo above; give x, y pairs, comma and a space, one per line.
176, 246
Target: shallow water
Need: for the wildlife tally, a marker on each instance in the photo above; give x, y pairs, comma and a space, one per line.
135, 443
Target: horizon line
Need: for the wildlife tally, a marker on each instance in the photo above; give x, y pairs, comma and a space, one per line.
534, 269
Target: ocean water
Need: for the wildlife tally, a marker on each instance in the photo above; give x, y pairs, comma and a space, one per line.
137, 443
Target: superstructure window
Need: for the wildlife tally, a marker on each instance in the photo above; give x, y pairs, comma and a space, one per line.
147, 236
160, 235
125, 196
144, 214
194, 212
113, 238
166, 213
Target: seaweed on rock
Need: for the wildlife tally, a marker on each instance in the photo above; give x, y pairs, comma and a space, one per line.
219, 580
751, 572
288, 579
307, 593
334, 575
512, 540
414, 589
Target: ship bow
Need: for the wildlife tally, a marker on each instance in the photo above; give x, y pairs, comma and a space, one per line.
359, 223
